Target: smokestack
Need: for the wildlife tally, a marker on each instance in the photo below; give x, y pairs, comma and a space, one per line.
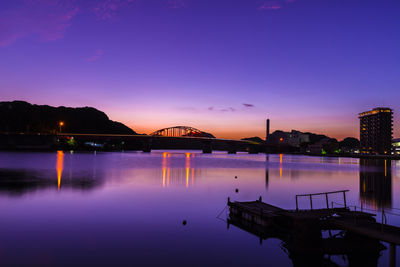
267, 133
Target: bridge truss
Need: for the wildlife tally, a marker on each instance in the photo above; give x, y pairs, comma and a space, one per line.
180, 131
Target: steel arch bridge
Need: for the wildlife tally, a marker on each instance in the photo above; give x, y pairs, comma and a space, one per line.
181, 131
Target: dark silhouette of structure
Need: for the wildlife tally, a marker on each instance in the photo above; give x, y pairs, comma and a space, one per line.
376, 129
376, 183
333, 231
181, 131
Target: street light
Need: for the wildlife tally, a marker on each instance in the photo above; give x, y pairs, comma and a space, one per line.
61, 124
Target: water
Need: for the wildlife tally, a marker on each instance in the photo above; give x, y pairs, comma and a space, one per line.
127, 208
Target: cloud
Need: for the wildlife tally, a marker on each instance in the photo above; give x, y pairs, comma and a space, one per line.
248, 105
270, 5
188, 109
274, 4
47, 19
228, 109
97, 54
108, 8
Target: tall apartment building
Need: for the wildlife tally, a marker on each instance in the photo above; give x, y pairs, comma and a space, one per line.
376, 129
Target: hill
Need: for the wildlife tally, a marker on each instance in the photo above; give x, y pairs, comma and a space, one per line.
23, 117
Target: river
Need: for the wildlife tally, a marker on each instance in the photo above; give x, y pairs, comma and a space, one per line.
161, 208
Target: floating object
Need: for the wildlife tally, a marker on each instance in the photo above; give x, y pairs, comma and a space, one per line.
237, 190
235, 177
184, 222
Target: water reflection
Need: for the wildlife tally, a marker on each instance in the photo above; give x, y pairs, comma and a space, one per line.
20, 181
311, 247
175, 175
59, 167
376, 183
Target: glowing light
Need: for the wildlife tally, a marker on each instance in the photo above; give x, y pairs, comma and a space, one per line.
385, 168
59, 167
164, 168
61, 124
163, 177
168, 177
187, 177
187, 169
281, 139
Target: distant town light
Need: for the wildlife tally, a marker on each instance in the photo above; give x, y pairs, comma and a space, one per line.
60, 124
281, 139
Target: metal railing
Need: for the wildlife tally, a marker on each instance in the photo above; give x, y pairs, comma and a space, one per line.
326, 198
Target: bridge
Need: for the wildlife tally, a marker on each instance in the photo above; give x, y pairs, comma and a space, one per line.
177, 137
181, 131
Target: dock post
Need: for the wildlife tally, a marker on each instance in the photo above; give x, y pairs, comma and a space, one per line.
311, 201
344, 198
260, 199
327, 202
297, 204
392, 255
229, 200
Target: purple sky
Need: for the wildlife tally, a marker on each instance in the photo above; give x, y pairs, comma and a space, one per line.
220, 66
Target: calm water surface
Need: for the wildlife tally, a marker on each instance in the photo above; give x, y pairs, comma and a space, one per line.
128, 208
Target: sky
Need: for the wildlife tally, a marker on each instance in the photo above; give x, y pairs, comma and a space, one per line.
223, 67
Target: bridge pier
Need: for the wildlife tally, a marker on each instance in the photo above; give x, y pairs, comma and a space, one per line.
207, 147
146, 145
232, 151
253, 149
232, 148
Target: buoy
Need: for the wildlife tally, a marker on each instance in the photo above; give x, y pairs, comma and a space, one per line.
235, 177
237, 190
184, 222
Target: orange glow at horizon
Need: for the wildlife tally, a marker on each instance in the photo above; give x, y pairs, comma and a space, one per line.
59, 167
337, 129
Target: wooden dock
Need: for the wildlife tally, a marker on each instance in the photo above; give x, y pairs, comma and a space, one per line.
301, 230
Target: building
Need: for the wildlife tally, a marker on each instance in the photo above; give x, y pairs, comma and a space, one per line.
318, 147
293, 138
396, 146
296, 138
376, 129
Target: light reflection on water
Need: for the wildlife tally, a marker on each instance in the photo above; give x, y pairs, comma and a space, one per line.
110, 207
